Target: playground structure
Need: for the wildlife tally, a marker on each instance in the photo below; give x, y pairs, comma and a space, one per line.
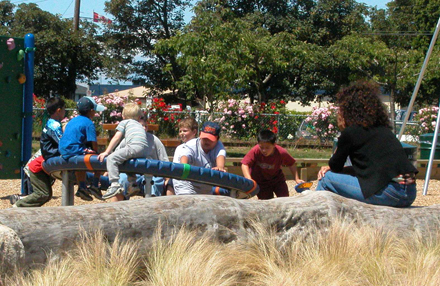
16, 89
240, 187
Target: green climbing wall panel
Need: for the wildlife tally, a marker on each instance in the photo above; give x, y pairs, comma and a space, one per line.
11, 105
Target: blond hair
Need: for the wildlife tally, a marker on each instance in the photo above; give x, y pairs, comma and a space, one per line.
131, 111
189, 122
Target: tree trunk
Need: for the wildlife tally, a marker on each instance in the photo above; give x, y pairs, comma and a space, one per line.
56, 229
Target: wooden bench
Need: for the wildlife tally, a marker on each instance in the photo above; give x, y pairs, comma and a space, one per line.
103, 141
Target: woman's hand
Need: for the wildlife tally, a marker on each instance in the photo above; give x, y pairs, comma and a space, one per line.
322, 172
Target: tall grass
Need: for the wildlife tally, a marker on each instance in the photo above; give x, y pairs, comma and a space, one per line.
342, 254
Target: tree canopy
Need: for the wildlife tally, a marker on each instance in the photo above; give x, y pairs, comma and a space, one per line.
271, 49
57, 45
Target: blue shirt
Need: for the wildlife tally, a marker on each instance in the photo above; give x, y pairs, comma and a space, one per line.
79, 131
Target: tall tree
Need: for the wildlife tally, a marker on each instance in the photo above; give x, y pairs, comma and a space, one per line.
225, 56
137, 27
406, 27
55, 46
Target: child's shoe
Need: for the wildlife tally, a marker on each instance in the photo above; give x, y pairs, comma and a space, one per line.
84, 194
13, 199
96, 192
112, 191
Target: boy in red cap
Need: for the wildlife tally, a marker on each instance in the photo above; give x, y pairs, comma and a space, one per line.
207, 151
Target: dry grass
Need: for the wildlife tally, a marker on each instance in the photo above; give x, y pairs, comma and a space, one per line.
9, 187
343, 254
93, 262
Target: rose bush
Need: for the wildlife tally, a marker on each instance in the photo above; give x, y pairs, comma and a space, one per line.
242, 120
423, 122
168, 118
324, 122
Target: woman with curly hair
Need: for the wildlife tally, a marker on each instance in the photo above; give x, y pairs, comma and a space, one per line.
381, 173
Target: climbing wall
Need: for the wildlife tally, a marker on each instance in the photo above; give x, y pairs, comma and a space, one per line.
11, 105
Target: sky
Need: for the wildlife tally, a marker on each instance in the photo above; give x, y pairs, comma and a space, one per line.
66, 7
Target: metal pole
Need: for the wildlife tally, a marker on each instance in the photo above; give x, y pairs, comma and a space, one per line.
67, 190
26, 148
431, 155
419, 80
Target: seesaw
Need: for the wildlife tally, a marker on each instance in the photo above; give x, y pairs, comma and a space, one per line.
240, 187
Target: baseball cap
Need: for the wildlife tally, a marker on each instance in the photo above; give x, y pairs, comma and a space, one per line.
87, 103
210, 130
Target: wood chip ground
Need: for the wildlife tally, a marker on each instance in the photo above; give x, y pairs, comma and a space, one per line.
9, 187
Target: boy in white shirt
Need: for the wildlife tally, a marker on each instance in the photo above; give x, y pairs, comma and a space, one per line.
207, 151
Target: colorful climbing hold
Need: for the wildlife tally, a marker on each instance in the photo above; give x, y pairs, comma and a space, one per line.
11, 44
20, 55
21, 78
1, 65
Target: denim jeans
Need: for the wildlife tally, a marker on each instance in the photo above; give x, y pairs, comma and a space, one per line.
393, 195
154, 189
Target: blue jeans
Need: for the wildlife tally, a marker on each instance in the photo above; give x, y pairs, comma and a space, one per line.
393, 195
156, 188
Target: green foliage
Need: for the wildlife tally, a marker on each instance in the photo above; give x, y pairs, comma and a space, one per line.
136, 28
62, 55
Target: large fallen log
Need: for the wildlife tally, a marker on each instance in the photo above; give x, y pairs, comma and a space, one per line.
56, 229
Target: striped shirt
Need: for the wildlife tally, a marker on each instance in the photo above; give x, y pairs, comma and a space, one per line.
133, 131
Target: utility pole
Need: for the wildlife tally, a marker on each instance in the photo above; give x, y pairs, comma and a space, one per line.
73, 64
76, 15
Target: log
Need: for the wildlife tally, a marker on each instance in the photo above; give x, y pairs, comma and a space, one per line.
56, 229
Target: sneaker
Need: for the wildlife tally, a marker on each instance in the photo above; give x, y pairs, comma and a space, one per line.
84, 194
96, 192
133, 190
13, 199
112, 191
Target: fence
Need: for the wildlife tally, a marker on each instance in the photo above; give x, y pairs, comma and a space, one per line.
289, 127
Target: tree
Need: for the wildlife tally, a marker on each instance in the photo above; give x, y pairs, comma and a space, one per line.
136, 28
406, 27
56, 45
225, 56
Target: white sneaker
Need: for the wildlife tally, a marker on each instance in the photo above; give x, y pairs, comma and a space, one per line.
112, 191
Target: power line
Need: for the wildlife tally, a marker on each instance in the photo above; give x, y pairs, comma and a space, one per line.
67, 8
400, 33
23, 1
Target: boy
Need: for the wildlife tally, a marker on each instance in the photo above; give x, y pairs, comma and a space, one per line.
263, 164
207, 152
50, 137
79, 134
156, 151
136, 146
188, 128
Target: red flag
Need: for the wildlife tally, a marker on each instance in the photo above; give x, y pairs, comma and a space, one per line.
95, 17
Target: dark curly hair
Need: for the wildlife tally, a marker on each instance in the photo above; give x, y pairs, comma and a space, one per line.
360, 104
